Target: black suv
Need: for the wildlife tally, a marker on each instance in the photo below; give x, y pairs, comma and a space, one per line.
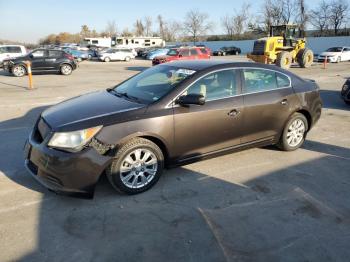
42, 60
345, 92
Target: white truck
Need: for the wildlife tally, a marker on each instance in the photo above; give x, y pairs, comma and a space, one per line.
11, 51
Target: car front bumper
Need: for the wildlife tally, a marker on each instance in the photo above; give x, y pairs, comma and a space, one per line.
330, 59
63, 172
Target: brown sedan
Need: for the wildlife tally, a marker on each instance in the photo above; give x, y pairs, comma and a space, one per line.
168, 115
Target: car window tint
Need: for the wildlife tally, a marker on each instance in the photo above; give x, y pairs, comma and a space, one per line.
184, 52
2, 49
282, 80
38, 53
54, 53
13, 49
204, 51
257, 80
193, 52
215, 85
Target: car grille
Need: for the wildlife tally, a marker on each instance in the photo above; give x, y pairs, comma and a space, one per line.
259, 47
41, 131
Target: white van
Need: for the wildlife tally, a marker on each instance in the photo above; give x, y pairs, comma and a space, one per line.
11, 51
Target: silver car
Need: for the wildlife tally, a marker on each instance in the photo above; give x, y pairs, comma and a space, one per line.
116, 54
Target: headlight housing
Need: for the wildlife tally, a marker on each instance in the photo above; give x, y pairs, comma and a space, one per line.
73, 141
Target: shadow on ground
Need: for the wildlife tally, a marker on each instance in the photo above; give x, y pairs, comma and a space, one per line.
332, 100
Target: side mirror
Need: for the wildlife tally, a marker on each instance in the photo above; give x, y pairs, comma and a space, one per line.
191, 99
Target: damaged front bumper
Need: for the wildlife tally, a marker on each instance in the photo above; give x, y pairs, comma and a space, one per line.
63, 172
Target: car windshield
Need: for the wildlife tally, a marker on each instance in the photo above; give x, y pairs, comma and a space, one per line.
335, 49
152, 84
172, 52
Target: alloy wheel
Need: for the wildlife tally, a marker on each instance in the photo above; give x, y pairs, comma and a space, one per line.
295, 133
138, 168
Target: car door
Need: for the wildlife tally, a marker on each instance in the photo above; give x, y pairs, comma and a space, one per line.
184, 54
268, 100
52, 60
200, 129
346, 54
194, 53
37, 58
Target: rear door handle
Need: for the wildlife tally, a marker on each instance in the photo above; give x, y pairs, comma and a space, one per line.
233, 113
284, 102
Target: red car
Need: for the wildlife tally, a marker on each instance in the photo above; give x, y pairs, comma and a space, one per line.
183, 53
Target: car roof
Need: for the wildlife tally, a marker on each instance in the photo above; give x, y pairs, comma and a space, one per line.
199, 65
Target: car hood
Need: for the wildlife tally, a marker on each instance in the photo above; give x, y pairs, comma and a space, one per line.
330, 53
93, 109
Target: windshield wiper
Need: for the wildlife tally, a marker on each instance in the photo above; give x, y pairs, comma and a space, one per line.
125, 94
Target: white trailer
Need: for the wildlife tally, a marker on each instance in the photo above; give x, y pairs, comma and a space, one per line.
98, 41
139, 42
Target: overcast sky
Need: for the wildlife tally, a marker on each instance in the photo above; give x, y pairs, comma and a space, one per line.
29, 21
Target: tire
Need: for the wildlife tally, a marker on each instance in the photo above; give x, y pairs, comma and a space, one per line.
305, 58
294, 133
338, 59
89, 57
347, 102
127, 59
284, 60
136, 179
224, 54
66, 69
107, 59
236, 53
19, 70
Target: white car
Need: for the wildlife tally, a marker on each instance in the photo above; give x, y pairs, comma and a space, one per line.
116, 54
11, 51
335, 54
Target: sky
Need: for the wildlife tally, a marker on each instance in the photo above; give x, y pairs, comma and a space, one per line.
28, 21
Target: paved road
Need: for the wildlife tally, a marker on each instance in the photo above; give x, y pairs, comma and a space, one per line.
255, 205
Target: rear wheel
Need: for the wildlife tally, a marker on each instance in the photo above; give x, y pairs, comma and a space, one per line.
136, 167
338, 59
107, 59
66, 69
284, 60
127, 59
305, 58
294, 133
19, 70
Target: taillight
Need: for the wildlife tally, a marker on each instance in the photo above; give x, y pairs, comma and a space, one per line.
69, 56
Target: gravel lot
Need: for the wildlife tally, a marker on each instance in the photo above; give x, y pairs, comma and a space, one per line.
255, 205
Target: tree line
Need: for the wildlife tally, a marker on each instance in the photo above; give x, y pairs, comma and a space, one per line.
328, 18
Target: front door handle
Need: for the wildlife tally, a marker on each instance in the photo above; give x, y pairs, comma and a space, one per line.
233, 113
284, 102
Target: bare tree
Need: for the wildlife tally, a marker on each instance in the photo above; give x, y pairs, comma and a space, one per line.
228, 25
139, 28
111, 29
240, 19
338, 14
301, 14
162, 26
320, 16
148, 25
196, 24
288, 9
173, 29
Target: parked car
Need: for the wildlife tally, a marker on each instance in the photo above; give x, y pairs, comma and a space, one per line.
223, 51
157, 52
345, 92
335, 54
42, 60
78, 55
116, 54
11, 51
186, 53
168, 115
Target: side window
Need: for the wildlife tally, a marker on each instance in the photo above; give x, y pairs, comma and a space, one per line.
204, 51
257, 80
184, 52
193, 52
38, 53
215, 85
14, 49
54, 53
282, 80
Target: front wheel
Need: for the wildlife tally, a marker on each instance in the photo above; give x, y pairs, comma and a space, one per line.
294, 133
19, 70
136, 167
127, 59
66, 69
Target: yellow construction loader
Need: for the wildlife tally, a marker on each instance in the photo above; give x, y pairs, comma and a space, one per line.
285, 45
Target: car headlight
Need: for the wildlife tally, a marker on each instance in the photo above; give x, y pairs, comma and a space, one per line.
73, 141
